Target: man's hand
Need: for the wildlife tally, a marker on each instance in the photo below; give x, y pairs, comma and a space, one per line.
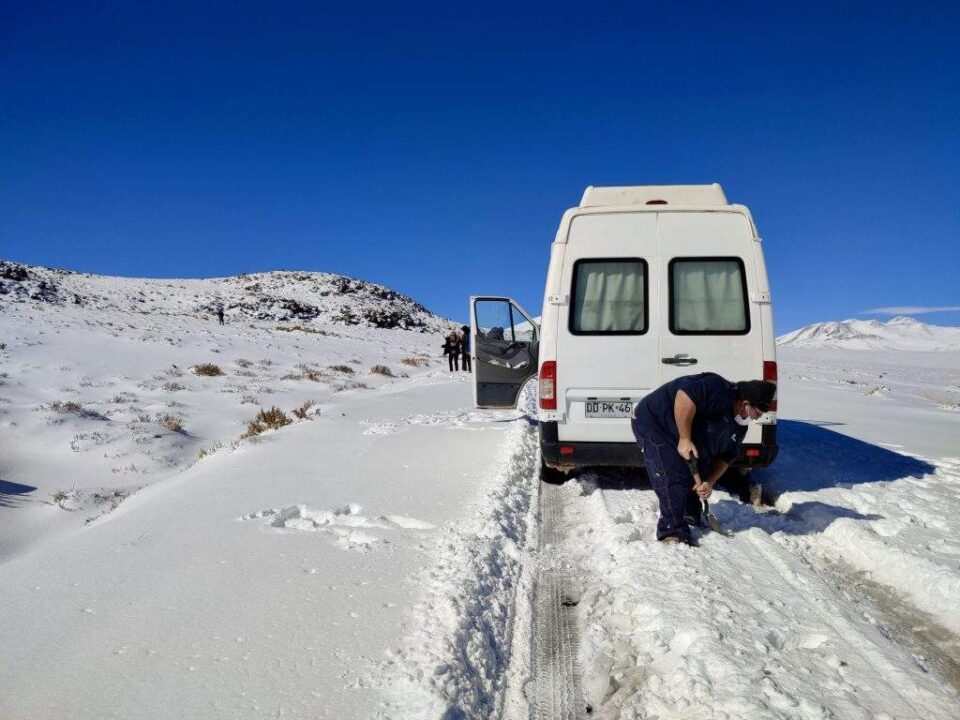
686, 448
704, 490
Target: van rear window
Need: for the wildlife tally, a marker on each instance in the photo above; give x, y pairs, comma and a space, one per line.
708, 296
609, 297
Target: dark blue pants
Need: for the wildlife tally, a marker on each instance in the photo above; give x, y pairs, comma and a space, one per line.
671, 481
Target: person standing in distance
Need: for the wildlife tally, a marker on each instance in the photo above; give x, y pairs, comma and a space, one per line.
451, 348
701, 416
465, 362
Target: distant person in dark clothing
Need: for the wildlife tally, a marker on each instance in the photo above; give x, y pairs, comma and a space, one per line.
220, 314
465, 348
451, 348
703, 417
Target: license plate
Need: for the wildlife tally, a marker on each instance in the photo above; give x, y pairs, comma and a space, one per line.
608, 408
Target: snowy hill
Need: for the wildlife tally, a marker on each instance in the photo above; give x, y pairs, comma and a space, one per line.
900, 333
318, 298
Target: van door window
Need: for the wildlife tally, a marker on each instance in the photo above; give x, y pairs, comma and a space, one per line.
708, 296
609, 297
500, 320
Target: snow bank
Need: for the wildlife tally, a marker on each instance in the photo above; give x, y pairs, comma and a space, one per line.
467, 656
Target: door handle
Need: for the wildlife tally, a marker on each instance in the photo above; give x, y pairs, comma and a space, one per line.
680, 359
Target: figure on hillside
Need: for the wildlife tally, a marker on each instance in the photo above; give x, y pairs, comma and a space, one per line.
465, 349
220, 313
702, 418
451, 348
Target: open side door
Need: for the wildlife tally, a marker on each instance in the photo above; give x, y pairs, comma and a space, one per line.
505, 348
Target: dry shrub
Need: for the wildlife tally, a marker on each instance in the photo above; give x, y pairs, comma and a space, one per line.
68, 407
292, 376
351, 386
306, 329
304, 410
381, 370
415, 361
243, 362
207, 452
341, 369
174, 423
254, 428
274, 418
271, 419
173, 387
207, 369
310, 373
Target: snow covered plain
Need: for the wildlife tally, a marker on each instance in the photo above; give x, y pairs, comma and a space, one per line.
385, 556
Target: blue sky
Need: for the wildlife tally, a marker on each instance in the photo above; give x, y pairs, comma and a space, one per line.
433, 148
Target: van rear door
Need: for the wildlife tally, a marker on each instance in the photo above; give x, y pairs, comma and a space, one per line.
506, 343
709, 323
607, 354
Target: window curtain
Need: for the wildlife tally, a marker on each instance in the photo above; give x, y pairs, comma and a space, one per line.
708, 296
609, 297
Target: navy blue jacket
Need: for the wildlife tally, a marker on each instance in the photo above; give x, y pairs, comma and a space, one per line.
714, 431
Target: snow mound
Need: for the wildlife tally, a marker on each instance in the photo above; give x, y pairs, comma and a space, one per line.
900, 333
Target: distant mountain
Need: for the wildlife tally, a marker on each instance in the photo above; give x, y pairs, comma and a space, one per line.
900, 333
281, 296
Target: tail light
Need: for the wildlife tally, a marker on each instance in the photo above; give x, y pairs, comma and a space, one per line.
770, 375
548, 385
770, 370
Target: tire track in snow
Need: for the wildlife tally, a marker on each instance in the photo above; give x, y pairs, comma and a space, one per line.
557, 694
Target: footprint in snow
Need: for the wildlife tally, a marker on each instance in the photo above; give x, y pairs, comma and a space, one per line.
453, 420
345, 523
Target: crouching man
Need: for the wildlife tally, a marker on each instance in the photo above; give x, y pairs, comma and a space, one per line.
701, 416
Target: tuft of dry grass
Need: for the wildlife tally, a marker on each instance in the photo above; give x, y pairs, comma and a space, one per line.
173, 387
309, 373
207, 452
243, 362
69, 407
307, 329
341, 369
303, 411
415, 361
272, 419
207, 369
381, 370
173, 423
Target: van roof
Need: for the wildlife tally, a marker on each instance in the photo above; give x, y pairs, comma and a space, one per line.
688, 195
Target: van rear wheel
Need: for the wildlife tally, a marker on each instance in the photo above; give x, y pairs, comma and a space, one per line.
550, 475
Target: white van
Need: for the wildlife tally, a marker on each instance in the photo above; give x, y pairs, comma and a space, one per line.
645, 284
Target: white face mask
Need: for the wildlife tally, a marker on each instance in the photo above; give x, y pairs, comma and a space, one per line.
744, 421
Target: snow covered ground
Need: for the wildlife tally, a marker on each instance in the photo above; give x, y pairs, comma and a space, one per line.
381, 557
839, 602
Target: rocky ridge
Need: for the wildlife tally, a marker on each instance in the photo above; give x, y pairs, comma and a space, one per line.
280, 296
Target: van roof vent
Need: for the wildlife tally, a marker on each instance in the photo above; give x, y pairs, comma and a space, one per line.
668, 195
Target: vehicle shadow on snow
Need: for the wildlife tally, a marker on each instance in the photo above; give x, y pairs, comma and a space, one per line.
814, 458
12, 494
803, 518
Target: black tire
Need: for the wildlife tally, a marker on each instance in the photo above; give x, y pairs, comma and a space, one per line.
550, 475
